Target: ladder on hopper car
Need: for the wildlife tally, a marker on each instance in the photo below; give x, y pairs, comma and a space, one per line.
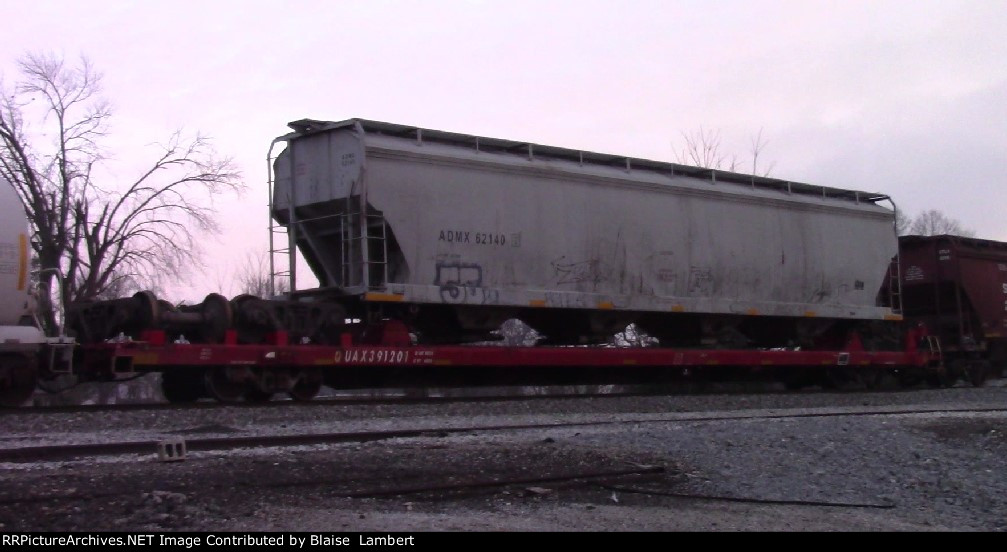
363, 243
364, 248
895, 285
278, 233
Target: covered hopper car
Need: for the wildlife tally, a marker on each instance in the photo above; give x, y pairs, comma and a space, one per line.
957, 287
454, 234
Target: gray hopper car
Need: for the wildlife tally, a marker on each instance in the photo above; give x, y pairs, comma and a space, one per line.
456, 234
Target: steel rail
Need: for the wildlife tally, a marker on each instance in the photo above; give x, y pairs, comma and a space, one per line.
454, 486
72, 451
751, 500
693, 389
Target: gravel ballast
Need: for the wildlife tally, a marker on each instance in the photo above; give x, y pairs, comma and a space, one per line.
930, 471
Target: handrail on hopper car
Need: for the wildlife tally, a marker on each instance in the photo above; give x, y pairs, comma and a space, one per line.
307, 127
895, 280
271, 227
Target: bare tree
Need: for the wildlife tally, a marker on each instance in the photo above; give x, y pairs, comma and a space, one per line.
758, 145
254, 278
902, 222
935, 223
101, 237
702, 148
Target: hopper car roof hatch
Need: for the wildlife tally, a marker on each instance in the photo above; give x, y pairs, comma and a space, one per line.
306, 127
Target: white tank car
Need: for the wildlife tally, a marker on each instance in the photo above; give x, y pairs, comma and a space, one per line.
14, 250
20, 342
572, 242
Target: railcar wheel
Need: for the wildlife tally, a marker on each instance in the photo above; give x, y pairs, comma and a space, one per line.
838, 378
977, 372
308, 385
909, 378
17, 379
180, 387
797, 380
217, 318
253, 394
146, 311
222, 388
255, 318
945, 378
870, 378
329, 325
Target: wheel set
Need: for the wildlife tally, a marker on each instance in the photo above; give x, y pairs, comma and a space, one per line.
227, 384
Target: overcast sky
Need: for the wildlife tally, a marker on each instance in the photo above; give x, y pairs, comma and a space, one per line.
903, 98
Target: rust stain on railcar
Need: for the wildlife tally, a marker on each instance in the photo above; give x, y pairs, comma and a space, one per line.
145, 358
22, 275
391, 297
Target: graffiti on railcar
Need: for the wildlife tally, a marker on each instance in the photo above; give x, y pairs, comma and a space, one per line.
591, 271
700, 280
462, 282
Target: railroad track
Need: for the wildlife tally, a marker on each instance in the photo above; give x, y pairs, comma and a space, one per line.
351, 489
321, 402
683, 389
76, 451
611, 479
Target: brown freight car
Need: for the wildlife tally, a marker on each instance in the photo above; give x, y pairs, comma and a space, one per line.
957, 286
